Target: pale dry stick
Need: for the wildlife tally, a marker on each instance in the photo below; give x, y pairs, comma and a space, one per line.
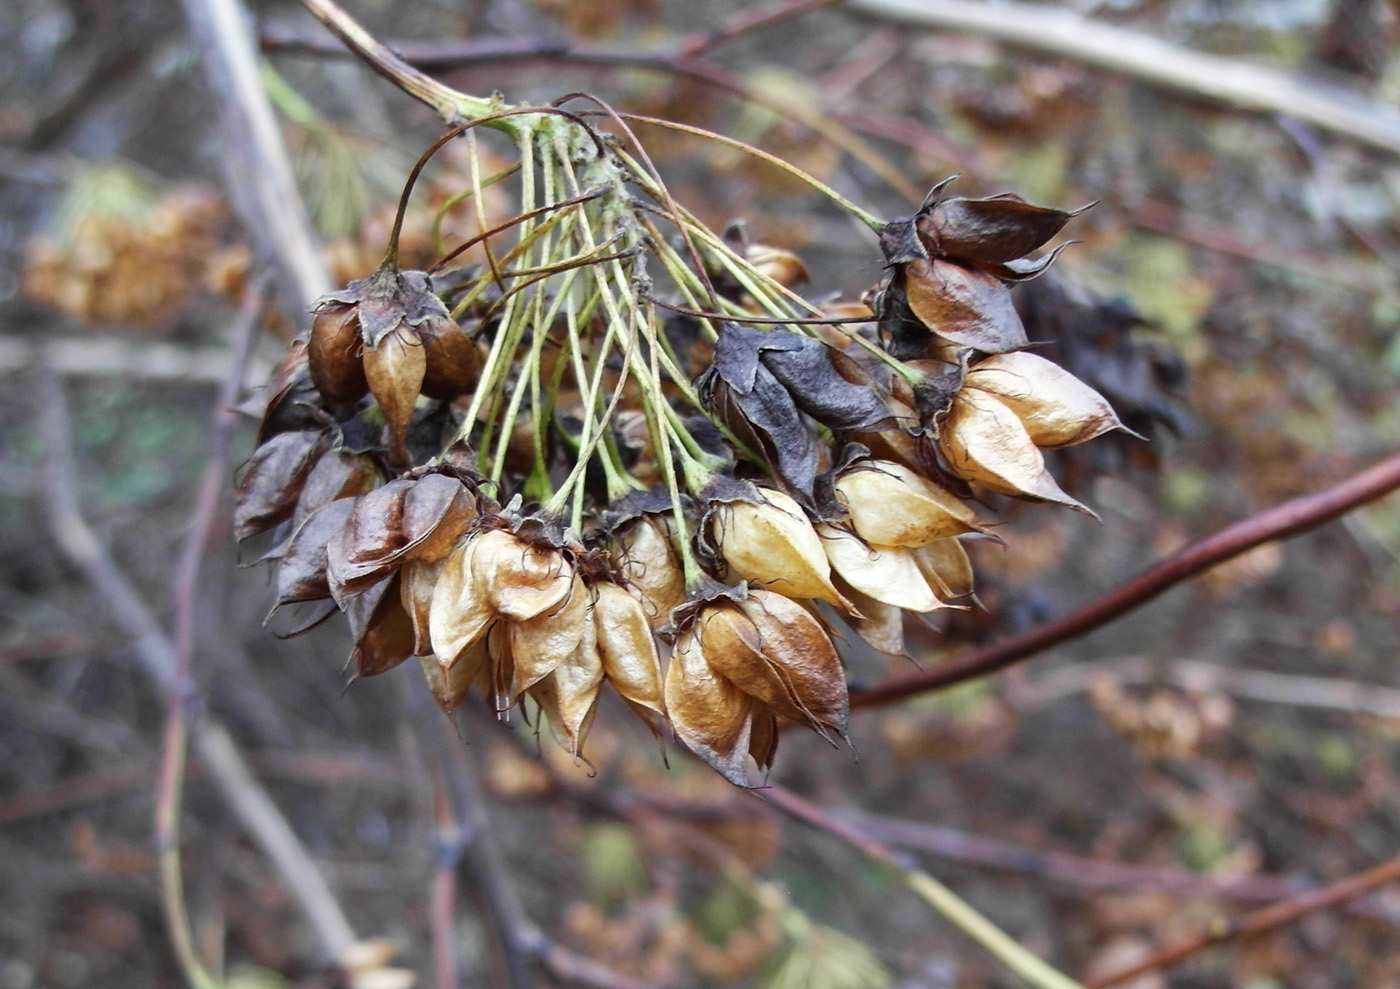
139, 360
1325, 693
157, 659
258, 170
1224, 80
948, 904
1260, 922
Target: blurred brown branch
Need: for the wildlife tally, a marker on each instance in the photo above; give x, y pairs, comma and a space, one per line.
1280, 522
1260, 921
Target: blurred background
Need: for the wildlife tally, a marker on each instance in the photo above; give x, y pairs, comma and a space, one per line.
1234, 292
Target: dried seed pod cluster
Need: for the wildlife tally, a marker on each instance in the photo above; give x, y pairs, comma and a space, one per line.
624, 451
122, 250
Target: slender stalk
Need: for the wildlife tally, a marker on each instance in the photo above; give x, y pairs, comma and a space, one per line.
947, 903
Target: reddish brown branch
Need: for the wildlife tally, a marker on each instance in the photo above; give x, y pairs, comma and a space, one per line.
1261, 921
1280, 522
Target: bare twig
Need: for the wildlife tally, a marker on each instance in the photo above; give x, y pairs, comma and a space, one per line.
1279, 522
173, 749
258, 171
952, 908
157, 657
674, 61
1224, 80
1077, 871
747, 23
1326, 693
1261, 921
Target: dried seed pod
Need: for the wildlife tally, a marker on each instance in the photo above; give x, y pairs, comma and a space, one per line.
890, 505
770, 542
966, 306
646, 564
1056, 408
889, 574
541, 643
711, 716
628, 653
270, 483
945, 566
382, 629
984, 442
449, 683
452, 358
568, 694
421, 518
395, 369
783, 266
333, 354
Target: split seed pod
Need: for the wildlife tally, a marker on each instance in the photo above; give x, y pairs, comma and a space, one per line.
771, 543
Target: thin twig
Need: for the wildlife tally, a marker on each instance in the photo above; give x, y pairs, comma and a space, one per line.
952, 908
1224, 80
1260, 922
1077, 871
1280, 522
747, 23
157, 659
174, 749
1325, 693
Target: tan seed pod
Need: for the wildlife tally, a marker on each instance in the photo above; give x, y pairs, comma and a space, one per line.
783, 266
520, 581
889, 574
772, 649
891, 505
628, 653
568, 694
460, 611
711, 716
805, 659
1056, 408
395, 370
879, 624
646, 565
772, 544
984, 442
540, 644
945, 566
449, 683
418, 581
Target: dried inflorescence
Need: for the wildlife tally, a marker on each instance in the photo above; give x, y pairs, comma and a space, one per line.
525, 476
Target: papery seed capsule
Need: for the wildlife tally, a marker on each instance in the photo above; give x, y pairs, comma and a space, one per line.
453, 361
890, 505
783, 266
628, 652
647, 566
1056, 408
711, 716
889, 574
945, 566
984, 441
771, 543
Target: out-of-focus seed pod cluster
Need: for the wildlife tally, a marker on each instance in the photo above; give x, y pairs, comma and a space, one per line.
624, 454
